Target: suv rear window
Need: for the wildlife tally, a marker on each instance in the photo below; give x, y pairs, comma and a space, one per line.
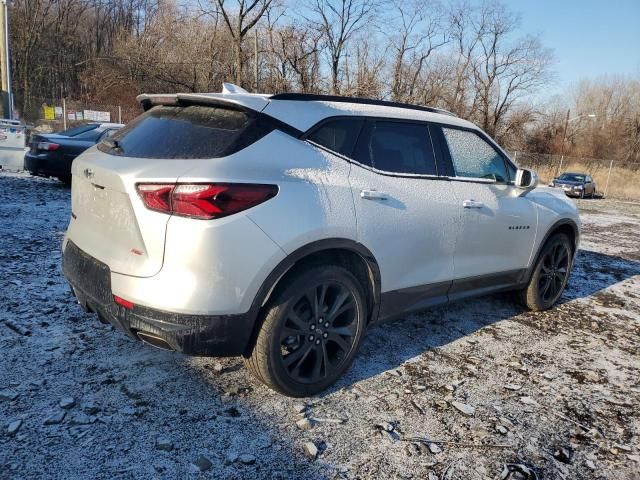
193, 131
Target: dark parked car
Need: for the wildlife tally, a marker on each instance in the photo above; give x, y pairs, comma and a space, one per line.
575, 184
51, 155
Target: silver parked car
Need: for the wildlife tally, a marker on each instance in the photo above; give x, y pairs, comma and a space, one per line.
575, 184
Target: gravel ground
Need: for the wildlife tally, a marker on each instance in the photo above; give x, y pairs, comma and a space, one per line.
478, 390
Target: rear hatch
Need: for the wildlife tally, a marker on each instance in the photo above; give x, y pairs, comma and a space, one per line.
109, 219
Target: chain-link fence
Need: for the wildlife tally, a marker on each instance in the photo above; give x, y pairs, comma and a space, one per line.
50, 114
614, 178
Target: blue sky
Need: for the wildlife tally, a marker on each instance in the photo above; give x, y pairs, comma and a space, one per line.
589, 37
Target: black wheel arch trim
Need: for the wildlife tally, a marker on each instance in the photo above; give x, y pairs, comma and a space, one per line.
553, 229
273, 279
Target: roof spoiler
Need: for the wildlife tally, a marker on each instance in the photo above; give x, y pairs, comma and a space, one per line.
231, 96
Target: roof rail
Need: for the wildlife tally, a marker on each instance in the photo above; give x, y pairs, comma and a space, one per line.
311, 97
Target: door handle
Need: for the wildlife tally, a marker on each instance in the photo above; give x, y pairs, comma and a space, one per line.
472, 204
373, 195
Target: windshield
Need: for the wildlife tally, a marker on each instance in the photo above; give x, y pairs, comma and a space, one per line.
571, 177
72, 132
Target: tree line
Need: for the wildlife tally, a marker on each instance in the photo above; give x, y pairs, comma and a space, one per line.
471, 59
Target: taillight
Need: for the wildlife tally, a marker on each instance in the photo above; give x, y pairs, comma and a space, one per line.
156, 196
48, 146
205, 201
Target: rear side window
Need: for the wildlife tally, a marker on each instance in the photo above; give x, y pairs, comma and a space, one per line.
473, 157
338, 135
193, 131
397, 147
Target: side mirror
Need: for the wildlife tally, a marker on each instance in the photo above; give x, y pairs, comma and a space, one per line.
526, 179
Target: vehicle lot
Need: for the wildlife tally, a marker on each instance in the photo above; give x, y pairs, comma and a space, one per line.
557, 391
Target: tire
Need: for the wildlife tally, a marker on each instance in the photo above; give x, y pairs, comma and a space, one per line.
550, 274
66, 179
313, 356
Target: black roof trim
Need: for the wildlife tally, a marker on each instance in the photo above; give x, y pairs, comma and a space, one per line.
312, 97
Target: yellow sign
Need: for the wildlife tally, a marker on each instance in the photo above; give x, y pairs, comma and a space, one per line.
49, 113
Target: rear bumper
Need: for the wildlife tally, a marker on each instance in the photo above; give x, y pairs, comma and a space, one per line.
207, 335
46, 167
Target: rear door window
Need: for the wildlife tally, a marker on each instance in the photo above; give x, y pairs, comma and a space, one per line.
473, 157
338, 135
397, 147
193, 131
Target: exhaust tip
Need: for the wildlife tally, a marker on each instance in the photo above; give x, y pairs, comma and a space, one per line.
154, 341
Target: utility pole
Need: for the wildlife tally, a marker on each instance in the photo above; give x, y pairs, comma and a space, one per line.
564, 133
255, 46
566, 125
5, 63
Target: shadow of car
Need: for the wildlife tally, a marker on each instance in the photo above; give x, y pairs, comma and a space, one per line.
51, 155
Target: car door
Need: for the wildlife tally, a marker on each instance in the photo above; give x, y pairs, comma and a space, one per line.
407, 214
499, 224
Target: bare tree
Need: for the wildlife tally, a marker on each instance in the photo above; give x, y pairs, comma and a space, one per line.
29, 19
239, 21
338, 21
365, 72
419, 34
504, 71
465, 57
614, 129
465, 32
295, 50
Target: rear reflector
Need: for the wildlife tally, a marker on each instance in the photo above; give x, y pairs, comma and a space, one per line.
123, 303
204, 200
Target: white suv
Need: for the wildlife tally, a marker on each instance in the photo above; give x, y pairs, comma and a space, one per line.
281, 227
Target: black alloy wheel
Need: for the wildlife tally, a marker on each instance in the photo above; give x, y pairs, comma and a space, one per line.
553, 273
319, 332
310, 331
550, 274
